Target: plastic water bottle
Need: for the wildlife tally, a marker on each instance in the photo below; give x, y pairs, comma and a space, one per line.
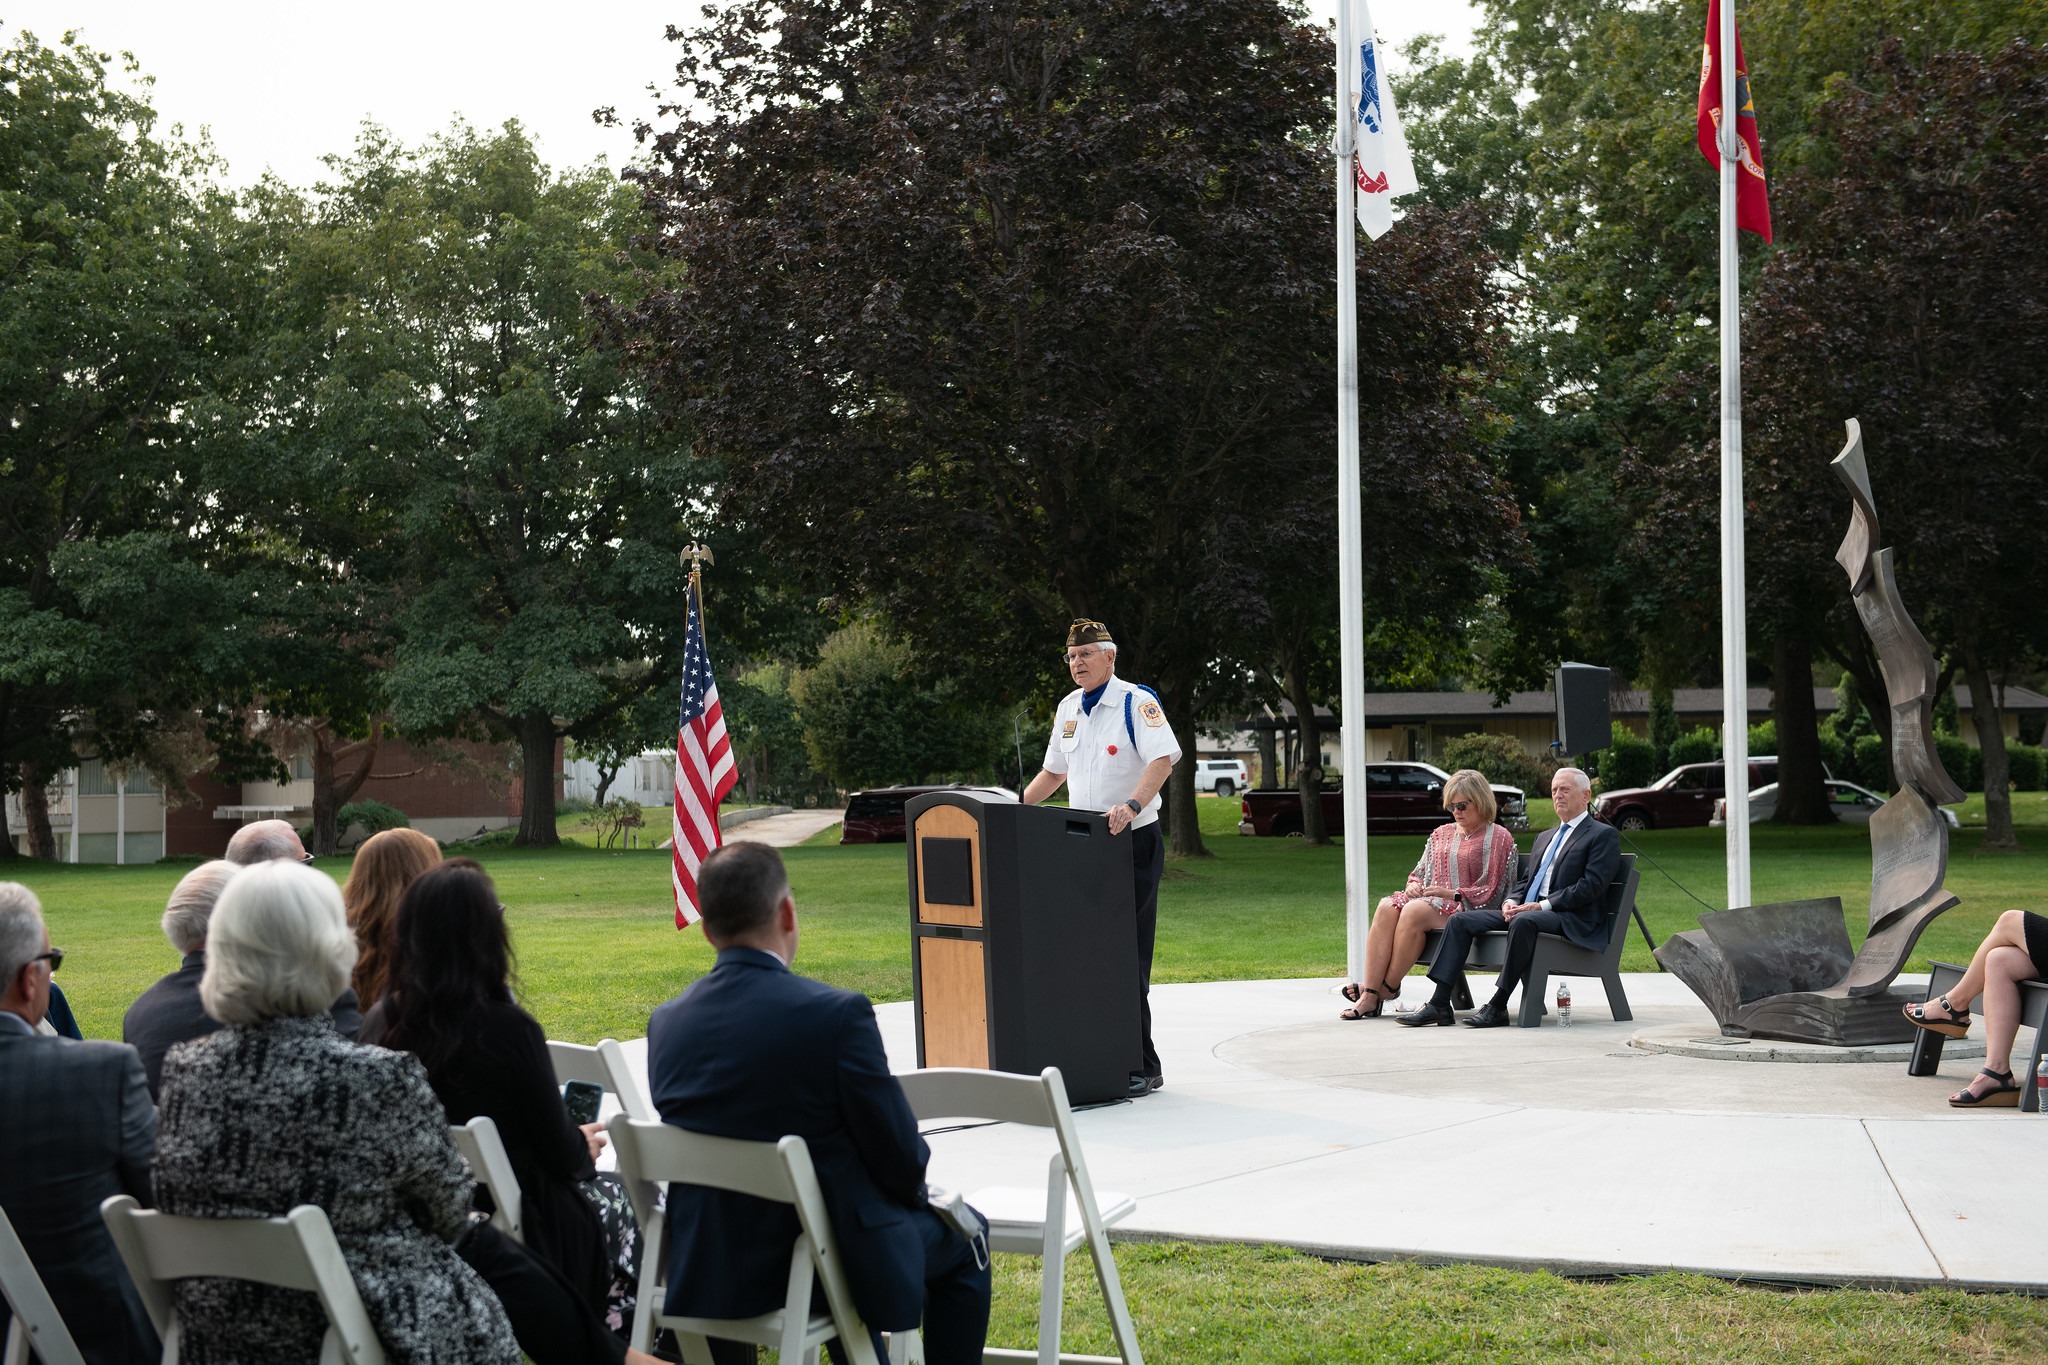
2041, 1085
1564, 1008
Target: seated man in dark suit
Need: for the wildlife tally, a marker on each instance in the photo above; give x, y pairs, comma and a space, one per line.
59, 1020
754, 1051
76, 1127
169, 1013
1566, 893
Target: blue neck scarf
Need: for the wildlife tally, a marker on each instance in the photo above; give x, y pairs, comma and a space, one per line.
1091, 696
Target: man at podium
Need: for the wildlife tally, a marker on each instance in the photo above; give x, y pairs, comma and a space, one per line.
1112, 746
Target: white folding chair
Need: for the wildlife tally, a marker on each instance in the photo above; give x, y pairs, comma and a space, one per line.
1048, 1220
652, 1153
603, 1065
32, 1320
297, 1251
484, 1150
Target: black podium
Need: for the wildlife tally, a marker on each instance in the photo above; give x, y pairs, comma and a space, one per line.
1024, 941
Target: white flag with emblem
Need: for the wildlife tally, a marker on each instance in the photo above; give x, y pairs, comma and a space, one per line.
1380, 161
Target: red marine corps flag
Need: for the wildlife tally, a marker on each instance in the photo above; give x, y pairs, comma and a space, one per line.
704, 766
1752, 200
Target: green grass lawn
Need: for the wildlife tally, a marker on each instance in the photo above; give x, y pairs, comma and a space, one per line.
598, 948
1198, 1304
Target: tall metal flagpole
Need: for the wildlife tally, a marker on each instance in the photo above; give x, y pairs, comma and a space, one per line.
1734, 626
1350, 568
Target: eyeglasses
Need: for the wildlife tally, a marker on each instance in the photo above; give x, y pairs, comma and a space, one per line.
1460, 807
55, 957
305, 860
1075, 656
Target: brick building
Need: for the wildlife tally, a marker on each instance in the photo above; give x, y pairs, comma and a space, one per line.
99, 820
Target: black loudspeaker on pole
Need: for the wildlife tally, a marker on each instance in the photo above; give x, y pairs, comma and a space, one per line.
1584, 722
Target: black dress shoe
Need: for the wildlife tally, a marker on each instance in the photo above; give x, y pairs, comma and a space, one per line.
1432, 1013
1141, 1086
1488, 1015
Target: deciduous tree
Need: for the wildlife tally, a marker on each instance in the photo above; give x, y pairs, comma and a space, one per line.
512, 501
1916, 300
1003, 314
115, 615
1576, 116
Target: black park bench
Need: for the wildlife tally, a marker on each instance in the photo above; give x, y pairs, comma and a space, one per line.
1557, 955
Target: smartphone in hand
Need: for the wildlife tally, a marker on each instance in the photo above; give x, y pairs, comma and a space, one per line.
583, 1100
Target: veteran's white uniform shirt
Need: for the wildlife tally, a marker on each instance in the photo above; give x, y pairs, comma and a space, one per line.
1101, 757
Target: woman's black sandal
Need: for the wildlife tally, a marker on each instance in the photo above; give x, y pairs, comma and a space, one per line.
1359, 1011
2004, 1095
1352, 990
1957, 1025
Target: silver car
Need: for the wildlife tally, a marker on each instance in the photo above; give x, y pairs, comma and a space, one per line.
1852, 803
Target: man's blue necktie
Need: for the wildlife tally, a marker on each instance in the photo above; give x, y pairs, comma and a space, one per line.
1541, 886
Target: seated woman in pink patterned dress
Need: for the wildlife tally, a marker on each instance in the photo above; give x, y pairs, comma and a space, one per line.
1465, 863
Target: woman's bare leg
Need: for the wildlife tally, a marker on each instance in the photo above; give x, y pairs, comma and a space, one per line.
2004, 968
2007, 931
2003, 972
1418, 918
1379, 946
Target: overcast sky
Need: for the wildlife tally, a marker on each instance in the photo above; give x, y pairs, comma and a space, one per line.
281, 84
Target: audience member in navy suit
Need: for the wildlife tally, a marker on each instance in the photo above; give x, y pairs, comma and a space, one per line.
169, 1012
60, 1018
76, 1126
753, 1051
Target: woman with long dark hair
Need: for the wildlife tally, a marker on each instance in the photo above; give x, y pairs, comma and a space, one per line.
448, 1001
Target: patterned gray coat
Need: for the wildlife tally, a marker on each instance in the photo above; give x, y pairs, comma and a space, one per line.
259, 1118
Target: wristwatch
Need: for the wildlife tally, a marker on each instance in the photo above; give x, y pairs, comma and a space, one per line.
1132, 802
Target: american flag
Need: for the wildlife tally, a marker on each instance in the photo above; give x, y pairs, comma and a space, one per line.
704, 768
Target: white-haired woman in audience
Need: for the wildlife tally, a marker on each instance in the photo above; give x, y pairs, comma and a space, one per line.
277, 1110
1465, 863
2015, 950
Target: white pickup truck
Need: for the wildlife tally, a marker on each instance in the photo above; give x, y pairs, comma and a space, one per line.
1224, 776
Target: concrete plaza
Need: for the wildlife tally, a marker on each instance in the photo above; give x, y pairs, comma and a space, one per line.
1561, 1148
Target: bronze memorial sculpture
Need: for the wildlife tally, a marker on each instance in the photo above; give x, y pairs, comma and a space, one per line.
1786, 971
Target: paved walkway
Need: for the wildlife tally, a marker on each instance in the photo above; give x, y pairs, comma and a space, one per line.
785, 831
1564, 1148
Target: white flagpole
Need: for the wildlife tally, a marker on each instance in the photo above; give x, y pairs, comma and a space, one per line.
1734, 626
1350, 547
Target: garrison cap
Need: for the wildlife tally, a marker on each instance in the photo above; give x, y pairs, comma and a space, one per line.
1086, 632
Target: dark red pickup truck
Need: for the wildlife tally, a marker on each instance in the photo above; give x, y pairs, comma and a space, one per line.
1400, 798
1684, 796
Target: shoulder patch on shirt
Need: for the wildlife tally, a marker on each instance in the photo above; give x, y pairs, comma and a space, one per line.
1152, 714
1067, 730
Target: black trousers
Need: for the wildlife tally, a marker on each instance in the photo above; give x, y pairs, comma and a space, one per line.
1148, 858
553, 1323
1460, 929
956, 1299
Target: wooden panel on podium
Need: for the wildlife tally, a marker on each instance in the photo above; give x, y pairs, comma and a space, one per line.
955, 1002
950, 822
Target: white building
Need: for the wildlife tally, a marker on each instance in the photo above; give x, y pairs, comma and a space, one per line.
649, 778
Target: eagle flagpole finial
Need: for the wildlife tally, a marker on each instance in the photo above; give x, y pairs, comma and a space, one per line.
696, 557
